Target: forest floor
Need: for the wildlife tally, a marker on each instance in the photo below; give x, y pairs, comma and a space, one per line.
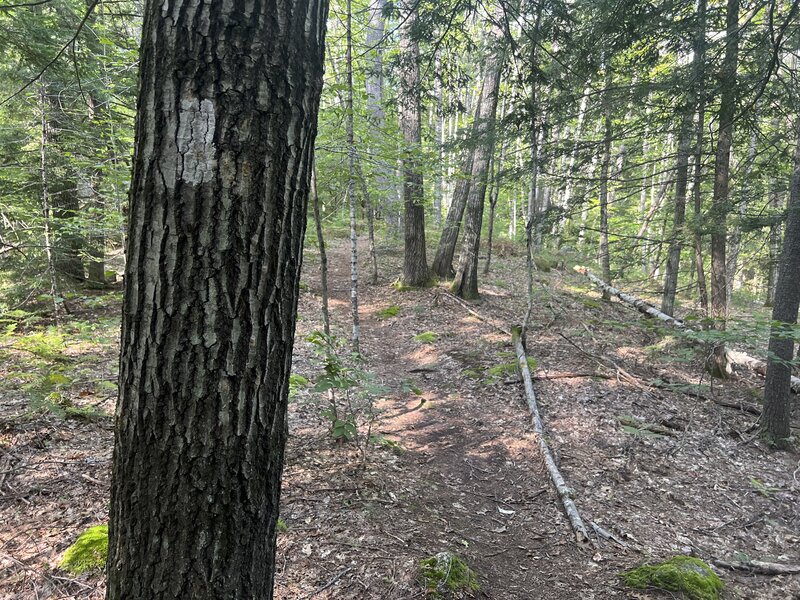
454, 464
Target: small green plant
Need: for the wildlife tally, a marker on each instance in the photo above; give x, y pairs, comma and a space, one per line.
426, 337
445, 575
762, 488
638, 428
88, 553
349, 389
388, 312
683, 574
281, 526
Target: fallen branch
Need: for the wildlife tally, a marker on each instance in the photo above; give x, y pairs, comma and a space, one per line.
757, 567
748, 407
735, 357
475, 313
564, 493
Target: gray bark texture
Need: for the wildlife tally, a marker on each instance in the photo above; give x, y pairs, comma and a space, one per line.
228, 99
775, 420
415, 263
465, 283
720, 206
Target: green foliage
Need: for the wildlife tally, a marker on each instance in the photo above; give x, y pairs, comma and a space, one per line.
426, 337
281, 526
47, 344
88, 553
683, 574
388, 312
350, 390
446, 574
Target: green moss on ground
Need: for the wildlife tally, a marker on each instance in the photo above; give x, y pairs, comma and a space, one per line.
446, 575
684, 574
88, 553
388, 312
426, 337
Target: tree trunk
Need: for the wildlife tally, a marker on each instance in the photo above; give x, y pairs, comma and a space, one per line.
415, 263
774, 245
719, 292
224, 148
443, 261
605, 257
775, 420
676, 240
697, 192
351, 182
323, 254
465, 282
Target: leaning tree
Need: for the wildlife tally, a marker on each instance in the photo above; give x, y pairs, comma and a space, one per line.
228, 99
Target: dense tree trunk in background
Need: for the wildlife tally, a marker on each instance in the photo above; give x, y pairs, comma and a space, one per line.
605, 256
679, 215
223, 158
775, 420
719, 232
443, 261
774, 245
494, 195
67, 241
323, 254
91, 200
351, 181
374, 86
735, 240
697, 187
438, 134
44, 178
465, 282
415, 263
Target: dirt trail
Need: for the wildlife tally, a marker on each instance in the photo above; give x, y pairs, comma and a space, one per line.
471, 480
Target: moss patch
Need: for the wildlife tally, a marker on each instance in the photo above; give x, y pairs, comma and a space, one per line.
445, 575
508, 369
426, 337
88, 553
388, 312
684, 574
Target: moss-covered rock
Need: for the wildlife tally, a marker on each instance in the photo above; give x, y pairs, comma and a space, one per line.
684, 574
445, 575
88, 553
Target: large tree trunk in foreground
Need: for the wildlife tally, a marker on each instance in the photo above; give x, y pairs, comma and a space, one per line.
415, 264
719, 232
224, 142
775, 421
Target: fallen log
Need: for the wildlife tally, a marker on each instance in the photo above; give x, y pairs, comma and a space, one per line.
735, 357
564, 492
757, 567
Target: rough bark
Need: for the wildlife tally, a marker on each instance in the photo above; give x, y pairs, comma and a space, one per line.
443, 261
699, 74
415, 262
775, 420
465, 282
224, 144
719, 231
